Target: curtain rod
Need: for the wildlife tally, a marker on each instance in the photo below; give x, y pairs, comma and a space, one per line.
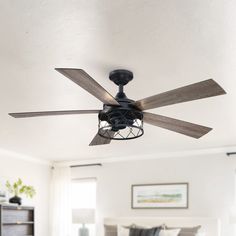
230, 153
86, 165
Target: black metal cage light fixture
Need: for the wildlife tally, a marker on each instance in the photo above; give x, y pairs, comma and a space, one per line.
121, 124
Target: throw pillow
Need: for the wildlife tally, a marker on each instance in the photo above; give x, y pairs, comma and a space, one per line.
110, 230
144, 232
188, 231
169, 232
122, 231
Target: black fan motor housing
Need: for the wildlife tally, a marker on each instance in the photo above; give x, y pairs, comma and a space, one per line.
120, 117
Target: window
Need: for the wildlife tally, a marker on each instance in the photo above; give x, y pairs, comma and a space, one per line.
83, 207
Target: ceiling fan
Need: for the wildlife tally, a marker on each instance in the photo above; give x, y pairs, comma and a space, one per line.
122, 118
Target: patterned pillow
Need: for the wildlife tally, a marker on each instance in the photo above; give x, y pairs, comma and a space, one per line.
144, 232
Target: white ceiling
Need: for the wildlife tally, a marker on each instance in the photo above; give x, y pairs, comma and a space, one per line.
167, 44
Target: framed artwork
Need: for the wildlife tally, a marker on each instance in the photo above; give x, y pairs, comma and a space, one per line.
160, 196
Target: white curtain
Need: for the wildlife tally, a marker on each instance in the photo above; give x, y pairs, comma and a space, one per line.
61, 215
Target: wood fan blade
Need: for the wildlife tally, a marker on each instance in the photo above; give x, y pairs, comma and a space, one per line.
52, 113
204, 89
178, 126
99, 140
85, 81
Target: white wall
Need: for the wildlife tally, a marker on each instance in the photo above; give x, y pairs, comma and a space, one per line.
34, 174
211, 180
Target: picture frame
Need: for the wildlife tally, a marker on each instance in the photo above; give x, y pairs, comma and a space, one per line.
160, 196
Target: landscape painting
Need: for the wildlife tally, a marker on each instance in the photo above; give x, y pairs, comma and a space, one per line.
171, 195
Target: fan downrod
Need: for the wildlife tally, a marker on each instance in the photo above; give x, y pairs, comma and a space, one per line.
121, 77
